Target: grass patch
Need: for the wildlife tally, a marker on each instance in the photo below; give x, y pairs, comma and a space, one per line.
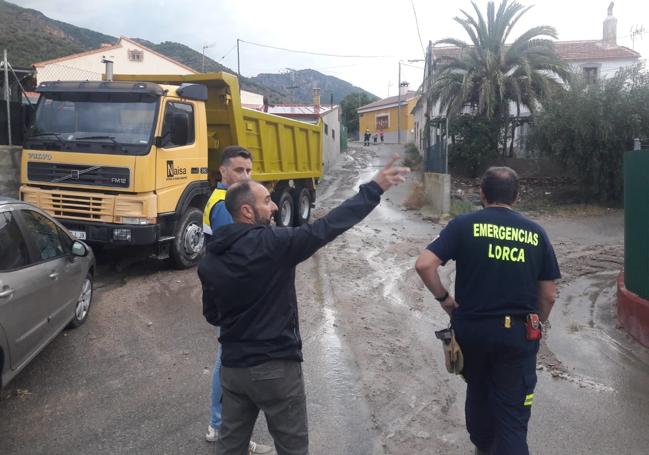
460, 207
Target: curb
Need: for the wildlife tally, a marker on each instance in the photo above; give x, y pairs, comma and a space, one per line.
633, 312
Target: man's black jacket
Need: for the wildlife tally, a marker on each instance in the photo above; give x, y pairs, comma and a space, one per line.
248, 277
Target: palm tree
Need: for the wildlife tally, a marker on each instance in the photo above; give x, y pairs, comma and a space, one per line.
488, 74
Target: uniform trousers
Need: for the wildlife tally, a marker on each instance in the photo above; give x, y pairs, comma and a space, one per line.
500, 371
277, 389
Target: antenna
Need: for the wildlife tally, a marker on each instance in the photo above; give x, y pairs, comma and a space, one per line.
636, 30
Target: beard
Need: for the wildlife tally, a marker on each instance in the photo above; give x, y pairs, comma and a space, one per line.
259, 220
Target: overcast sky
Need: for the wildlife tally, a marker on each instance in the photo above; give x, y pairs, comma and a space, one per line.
350, 27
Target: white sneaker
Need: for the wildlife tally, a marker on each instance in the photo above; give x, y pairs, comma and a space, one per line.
259, 448
212, 434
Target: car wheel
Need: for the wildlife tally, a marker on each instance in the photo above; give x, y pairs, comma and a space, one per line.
82, 308
285, 209
189, 244
302, 198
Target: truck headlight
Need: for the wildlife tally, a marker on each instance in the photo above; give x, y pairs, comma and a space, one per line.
137, 220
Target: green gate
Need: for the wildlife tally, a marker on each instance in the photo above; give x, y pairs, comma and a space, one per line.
636, 222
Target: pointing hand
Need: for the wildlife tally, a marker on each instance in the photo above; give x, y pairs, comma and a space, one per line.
391, 175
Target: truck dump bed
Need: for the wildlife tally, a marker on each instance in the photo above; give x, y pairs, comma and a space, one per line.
282, 149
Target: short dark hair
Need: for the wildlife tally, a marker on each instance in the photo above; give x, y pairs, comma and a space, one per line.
232, 151
500, 185
239, 194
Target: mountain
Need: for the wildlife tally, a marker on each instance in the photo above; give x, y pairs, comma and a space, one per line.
29, 36
299, 85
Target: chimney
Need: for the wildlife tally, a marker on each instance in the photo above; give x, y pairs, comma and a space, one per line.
109, 68
403, 88
609, 36
316, 102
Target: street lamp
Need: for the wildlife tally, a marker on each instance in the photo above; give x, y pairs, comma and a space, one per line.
399, 98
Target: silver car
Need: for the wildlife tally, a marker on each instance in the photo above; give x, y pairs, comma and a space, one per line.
46, 281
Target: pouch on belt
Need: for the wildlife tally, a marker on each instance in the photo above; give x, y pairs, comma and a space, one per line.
452, 352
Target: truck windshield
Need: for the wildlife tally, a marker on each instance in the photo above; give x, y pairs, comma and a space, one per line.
95, 123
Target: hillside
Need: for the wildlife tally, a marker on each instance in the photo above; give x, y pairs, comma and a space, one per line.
299, 85
29, 37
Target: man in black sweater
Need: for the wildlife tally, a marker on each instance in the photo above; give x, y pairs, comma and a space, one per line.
248, 278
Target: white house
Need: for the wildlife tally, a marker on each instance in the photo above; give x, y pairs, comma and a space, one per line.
594, 58
128, 56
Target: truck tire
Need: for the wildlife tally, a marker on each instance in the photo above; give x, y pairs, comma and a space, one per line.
188, 245
302, 198
285, 208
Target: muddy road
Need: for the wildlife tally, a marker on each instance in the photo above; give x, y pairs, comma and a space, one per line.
136, 377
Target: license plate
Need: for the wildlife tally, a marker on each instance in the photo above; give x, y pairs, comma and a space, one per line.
81, 235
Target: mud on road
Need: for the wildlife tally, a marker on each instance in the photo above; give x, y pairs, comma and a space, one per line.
136, 377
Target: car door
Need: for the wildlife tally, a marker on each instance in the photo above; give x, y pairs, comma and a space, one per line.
55, 265
23, 293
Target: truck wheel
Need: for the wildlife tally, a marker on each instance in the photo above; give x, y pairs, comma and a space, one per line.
285, 208
302, 197
188, 245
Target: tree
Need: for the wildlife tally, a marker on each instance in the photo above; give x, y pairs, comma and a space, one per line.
349, 107
589, 128
488, 74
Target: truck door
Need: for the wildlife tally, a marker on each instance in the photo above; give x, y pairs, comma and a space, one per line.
177, 161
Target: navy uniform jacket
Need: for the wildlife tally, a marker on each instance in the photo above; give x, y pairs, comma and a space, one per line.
500, 257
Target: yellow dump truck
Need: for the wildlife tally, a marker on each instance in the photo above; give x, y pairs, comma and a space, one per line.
132, 161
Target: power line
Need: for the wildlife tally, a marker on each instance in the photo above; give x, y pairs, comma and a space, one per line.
315, 53
421, 43
228, 52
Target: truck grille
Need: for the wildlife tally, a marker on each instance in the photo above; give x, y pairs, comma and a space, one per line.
118, 177
80, 207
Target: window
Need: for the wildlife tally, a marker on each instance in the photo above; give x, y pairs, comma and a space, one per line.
44, 234
333, 133
383, 122
326, 129
178, 127
590, 74
135, 55
13, 249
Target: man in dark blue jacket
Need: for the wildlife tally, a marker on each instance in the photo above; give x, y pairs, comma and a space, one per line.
248, 278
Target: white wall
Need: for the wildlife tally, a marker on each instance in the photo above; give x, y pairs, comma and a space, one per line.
331, 140
89, 67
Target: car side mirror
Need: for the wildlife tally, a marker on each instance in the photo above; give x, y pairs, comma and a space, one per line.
79, 249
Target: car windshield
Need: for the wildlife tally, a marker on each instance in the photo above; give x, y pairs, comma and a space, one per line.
97, 122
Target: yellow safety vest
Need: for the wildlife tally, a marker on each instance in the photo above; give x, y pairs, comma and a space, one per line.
217, 196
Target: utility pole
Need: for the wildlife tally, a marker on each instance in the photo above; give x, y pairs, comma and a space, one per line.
205, 46
399, 106
238, 61
399, 99
6, 68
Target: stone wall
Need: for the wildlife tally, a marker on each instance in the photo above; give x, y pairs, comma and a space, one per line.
9, 170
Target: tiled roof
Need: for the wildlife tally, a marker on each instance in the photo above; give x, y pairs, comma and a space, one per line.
297, 109
592, 50
387, 101
567, 50
106, 48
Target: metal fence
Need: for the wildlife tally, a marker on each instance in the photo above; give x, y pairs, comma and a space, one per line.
436, 159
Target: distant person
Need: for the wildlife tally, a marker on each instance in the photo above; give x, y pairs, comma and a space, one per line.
504, 290
236, 166
376, 136
381, 135
366, 137
248, 278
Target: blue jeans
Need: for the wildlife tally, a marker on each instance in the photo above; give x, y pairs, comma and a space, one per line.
217, 392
